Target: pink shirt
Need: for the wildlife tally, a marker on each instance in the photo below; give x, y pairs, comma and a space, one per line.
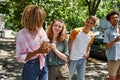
25, 43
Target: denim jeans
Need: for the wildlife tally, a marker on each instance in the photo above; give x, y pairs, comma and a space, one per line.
31, 71
80, 66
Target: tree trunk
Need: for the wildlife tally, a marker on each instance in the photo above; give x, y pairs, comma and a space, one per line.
92, 6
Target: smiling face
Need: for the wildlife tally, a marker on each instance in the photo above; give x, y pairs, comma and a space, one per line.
114, 19
57, 27
89, 23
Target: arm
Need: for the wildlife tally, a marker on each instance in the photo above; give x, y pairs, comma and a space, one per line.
89, 47
88, 52
38, 51
109, 45
31, 54
70, 42
71, 38
58, 53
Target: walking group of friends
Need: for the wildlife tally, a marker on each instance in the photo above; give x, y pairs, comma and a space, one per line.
62, 56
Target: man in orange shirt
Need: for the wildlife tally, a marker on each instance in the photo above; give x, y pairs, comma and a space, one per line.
79, 44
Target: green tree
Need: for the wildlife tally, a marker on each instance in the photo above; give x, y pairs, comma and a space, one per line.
106, 6
14, 11
73, 12
68, 11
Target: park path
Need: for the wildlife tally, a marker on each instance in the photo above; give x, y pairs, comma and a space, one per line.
10, 69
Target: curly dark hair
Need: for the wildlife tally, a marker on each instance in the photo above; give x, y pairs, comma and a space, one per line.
113, 12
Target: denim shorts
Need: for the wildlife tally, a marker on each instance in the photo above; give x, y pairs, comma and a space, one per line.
31, 71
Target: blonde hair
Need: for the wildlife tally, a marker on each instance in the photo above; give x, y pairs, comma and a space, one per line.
33, 16
62, 34
95, 19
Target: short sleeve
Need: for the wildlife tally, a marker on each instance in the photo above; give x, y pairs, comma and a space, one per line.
92, 40
74, 33
106, 36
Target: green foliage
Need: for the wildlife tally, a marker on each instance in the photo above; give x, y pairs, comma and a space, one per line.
67, 11
72, 12
107, 6
14, 12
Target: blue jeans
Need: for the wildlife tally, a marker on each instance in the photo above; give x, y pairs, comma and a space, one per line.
80, 65
31, 71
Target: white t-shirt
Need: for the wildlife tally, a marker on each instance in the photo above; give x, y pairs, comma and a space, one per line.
80, 43
79, 46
